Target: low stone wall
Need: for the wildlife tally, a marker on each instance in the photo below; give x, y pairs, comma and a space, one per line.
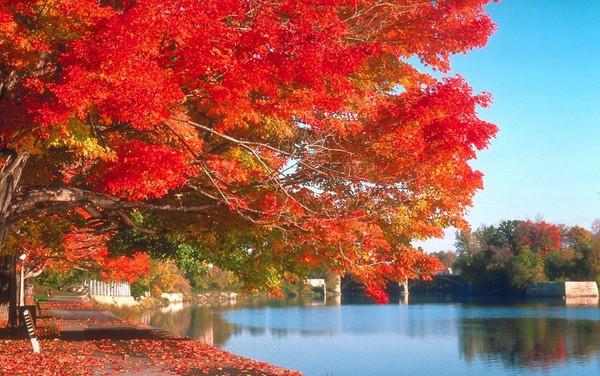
582, 301
172, 297
118, 301
563, 289
581, 289
219, 298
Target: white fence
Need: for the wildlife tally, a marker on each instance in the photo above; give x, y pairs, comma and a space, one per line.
108, 288
316, 282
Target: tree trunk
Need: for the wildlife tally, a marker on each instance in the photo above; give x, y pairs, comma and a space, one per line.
10, 176
8, 287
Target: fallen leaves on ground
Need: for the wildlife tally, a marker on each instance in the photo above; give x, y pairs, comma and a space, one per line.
164, 356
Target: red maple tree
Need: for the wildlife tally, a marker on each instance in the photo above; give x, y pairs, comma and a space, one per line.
278, 135
539, 236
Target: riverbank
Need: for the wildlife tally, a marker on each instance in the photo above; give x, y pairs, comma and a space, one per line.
78, 340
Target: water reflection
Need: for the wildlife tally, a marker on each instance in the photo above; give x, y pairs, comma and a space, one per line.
533, 343
172, 308
551, 336
203, 324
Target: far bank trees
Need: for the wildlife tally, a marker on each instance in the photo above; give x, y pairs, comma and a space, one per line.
509, 256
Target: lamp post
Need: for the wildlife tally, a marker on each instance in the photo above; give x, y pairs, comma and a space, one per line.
22, 284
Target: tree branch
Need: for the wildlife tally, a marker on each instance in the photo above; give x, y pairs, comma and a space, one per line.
37, 200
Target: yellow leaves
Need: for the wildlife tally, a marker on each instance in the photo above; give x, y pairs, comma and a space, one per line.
164, 275
245, 159
279, 129
75, 136
386, 73
273, 278
86, 148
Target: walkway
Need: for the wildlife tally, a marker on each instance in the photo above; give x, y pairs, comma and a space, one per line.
82, 325
78, 340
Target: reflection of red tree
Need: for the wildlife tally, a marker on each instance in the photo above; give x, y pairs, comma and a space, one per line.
547, 355
535, 343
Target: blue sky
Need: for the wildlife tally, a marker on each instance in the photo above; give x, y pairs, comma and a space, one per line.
543, 68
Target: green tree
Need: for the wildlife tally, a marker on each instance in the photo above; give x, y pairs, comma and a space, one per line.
525, 268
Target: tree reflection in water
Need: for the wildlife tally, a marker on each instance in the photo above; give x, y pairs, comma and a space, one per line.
207, 325
500, 338
201, 323
535, 343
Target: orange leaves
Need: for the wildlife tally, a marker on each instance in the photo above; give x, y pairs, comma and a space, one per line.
178, 131
7, 24
144, 171
370, 252
452, 26
137, 92
228, 170
238, 61
301, 118
126, 268
84, 248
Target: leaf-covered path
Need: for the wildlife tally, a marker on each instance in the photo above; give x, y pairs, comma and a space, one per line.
77, 340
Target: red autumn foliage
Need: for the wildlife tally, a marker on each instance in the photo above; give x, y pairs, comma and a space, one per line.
377, 293
84, 249
88, 250
539, 236
143, 171
308, 119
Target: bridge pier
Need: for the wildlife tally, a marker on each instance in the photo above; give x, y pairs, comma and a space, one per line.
404, 287
337, 286
403, 299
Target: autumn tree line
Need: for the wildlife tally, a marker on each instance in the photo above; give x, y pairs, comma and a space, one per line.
505, 258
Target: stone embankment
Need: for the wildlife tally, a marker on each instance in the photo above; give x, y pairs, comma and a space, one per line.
563, 289
216, 298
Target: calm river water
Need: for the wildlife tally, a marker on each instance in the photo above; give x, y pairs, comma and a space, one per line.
433, 338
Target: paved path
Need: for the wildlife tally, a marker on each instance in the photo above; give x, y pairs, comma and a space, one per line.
116, 346
87, 324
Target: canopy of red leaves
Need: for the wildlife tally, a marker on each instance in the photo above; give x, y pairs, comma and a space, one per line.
298, 117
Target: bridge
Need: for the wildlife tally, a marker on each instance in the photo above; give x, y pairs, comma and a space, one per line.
443, 282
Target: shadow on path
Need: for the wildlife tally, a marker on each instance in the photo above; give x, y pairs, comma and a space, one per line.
82, 325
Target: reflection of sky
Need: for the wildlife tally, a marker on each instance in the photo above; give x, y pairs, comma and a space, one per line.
401, 340
413, 320
350, 319
418, 339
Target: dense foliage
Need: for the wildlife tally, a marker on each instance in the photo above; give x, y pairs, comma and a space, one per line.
264, 137
508, 257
